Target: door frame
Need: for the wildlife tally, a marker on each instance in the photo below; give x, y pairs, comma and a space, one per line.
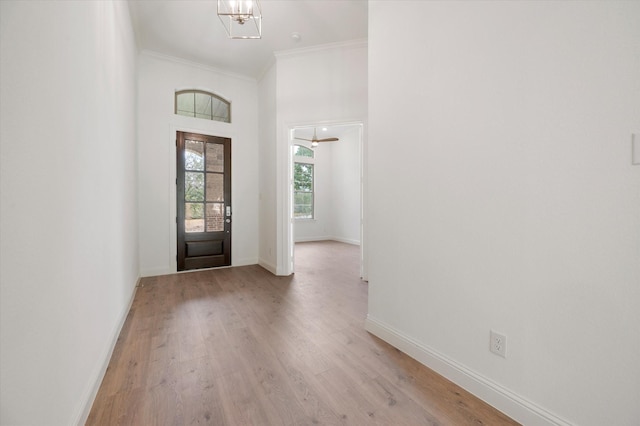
183, 237
284, 197
211, 129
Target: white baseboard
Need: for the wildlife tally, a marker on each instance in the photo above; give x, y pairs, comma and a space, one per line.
268, 266
154, 272
338, 239
91, 393
513, 405
244, 262
345, 240
309, 239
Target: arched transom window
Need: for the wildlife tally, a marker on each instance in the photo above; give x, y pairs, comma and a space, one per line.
201, 104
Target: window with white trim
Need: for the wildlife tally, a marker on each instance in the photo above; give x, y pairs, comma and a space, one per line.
201, 104
303, 182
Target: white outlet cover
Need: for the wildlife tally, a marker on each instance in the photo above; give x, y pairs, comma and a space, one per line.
498, 343
635, 149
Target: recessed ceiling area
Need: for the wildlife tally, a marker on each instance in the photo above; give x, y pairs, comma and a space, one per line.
191, 30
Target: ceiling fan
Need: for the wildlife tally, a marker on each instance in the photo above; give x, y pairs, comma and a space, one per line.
314, 141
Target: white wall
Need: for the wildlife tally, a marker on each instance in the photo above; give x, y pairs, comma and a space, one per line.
267, 168
324, 84
506, 144
159, 78
68, 213
345, 174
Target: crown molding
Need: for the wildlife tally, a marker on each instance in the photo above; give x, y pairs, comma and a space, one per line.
174, 59
351, 44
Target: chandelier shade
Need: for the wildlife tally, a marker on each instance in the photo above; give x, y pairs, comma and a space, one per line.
241, 18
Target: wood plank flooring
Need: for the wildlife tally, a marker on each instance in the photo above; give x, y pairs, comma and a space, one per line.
240, 346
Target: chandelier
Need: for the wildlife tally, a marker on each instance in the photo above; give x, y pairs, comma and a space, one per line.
241, 18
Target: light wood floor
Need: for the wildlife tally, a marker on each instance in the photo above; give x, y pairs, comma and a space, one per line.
240, 346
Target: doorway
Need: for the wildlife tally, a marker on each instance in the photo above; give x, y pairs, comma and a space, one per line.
203, 196
333, 183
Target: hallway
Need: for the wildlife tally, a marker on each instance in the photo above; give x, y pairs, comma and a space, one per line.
240, 346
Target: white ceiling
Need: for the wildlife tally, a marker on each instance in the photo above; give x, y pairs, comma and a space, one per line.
324, 131
191, 30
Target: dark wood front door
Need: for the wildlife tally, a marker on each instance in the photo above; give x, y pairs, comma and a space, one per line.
204, 201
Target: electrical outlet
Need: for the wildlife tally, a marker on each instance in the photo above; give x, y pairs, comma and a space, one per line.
498, 344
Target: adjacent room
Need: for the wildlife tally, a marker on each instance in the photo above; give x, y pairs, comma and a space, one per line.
326, 165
